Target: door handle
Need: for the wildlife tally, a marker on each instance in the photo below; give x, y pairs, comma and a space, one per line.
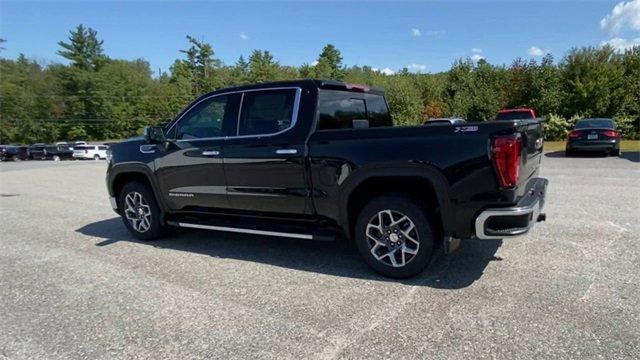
286, 151
210, 152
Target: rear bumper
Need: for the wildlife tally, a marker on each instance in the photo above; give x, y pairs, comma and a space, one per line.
594, 145
498, 223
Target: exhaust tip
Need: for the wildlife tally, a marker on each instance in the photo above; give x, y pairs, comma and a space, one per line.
542, 217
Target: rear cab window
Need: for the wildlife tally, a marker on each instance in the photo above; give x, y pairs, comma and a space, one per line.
514, 115
347, 110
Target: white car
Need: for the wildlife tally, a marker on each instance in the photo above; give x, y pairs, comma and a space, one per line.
95, 152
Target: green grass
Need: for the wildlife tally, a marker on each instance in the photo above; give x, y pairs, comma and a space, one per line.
626, 145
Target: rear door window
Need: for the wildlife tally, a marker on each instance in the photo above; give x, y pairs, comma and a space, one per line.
266, 112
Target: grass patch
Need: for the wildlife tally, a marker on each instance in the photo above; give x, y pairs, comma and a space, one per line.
625, 145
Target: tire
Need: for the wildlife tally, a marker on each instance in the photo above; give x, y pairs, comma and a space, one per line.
615, 152
569, 153
155, 229
56, 158
96, 157
16, 158
393, 208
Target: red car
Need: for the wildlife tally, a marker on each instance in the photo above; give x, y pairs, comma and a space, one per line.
516, 114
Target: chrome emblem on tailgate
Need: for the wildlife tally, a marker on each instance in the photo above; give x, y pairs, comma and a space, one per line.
466, 129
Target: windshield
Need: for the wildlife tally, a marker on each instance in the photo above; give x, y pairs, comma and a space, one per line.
595, 124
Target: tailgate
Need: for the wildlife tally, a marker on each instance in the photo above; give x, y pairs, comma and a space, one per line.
532, 145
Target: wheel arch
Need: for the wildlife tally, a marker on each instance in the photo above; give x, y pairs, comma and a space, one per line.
122, 174
423, 181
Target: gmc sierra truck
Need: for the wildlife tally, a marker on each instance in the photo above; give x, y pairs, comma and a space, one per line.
317, 159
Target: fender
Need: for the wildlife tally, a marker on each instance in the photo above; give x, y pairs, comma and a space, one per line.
138, 168
428, 172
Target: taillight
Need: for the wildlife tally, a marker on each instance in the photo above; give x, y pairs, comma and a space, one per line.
575, 134
611, 133
506, 152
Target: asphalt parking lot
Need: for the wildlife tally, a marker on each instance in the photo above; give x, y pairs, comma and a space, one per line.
74, 284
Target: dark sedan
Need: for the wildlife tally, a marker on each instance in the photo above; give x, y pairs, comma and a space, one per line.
594, 135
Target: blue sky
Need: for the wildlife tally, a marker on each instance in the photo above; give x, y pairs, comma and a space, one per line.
424, 36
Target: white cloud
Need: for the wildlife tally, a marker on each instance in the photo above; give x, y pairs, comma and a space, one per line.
314, 63
624, 14
536, 51
387, 71
244, 36
415, 32
476, 54
416, 67
620, 45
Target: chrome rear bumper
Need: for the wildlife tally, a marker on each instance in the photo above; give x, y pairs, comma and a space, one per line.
497, 223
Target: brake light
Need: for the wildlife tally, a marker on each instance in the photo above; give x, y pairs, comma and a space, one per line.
611, 133
506, 152
575, 134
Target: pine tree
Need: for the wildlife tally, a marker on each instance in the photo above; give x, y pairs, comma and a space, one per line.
329, 64
84, 50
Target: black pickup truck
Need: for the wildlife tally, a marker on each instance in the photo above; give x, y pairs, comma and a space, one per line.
316, 159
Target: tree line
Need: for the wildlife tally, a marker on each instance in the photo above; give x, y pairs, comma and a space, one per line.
96, 97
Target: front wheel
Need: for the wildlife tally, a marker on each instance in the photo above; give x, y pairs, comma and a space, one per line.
394, 236
56, 158
615, 152
140, 212
96, 157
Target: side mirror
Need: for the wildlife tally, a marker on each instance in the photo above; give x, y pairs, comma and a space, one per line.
154, 135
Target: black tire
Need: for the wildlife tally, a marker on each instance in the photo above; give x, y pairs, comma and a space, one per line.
404, 205
615, 152
156, 228
569, 153
96, 157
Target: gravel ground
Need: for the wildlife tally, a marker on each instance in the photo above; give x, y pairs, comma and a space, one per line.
73, 283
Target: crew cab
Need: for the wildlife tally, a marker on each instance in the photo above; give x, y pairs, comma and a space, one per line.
320, 160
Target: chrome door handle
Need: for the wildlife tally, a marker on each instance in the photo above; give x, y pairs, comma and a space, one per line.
286, 151
211, 153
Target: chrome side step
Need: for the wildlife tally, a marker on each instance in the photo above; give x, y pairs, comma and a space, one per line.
242, 230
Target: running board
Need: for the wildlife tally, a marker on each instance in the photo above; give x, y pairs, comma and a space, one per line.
295, 235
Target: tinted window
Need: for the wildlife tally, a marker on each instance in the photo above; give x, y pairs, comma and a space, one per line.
595, 124
205, 120
102, 148
377, 111
266, 112
338, 110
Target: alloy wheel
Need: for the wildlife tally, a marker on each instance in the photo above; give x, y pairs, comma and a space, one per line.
137, 212
392, 238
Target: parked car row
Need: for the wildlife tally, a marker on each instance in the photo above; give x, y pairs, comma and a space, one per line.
60, 151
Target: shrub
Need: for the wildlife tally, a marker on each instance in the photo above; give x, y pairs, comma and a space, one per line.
556, 127
628, 126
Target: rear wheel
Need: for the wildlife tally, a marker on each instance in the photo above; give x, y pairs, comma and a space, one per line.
615, 152
140, 212
394, 236
56, 158
96, 157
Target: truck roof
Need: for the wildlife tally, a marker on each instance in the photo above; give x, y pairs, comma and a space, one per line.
318, 83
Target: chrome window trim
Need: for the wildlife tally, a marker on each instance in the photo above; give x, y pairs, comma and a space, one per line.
294, 116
